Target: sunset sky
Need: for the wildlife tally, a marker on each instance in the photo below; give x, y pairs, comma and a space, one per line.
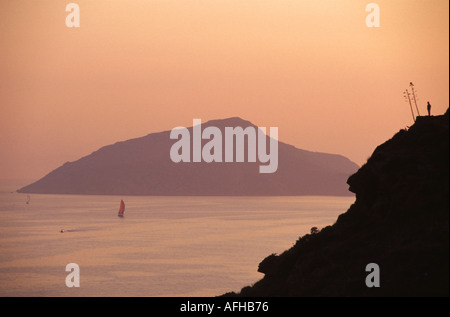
311, 68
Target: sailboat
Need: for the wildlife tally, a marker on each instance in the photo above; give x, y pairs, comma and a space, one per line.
28, 200
121, 209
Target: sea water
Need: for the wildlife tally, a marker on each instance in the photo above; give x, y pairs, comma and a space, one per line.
164, 246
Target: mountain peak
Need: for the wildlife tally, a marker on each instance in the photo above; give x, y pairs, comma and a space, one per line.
229, 122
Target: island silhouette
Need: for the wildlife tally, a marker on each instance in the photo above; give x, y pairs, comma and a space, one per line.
143, 166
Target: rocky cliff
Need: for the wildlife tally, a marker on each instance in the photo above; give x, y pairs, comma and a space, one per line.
398, 221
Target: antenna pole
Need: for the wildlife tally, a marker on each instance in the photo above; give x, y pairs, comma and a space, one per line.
414, 98
410, 105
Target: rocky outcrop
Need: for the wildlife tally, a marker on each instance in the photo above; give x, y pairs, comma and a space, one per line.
398, 221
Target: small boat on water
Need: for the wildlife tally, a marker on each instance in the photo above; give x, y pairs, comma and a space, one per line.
121, 209
28, 200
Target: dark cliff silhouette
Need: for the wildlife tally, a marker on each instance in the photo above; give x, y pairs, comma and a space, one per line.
143, 166
398, 221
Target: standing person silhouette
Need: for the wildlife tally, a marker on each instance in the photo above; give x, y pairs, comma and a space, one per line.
429, 108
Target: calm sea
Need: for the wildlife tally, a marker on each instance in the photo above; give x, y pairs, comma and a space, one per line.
164, 246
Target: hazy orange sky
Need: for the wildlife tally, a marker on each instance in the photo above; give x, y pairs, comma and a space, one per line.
311, 68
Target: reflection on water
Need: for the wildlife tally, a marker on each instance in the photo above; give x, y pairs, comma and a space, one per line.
164, 246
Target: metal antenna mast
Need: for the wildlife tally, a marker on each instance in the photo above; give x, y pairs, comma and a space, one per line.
414, 97
406, 95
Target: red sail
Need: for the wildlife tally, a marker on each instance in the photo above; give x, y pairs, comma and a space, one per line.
122, 208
